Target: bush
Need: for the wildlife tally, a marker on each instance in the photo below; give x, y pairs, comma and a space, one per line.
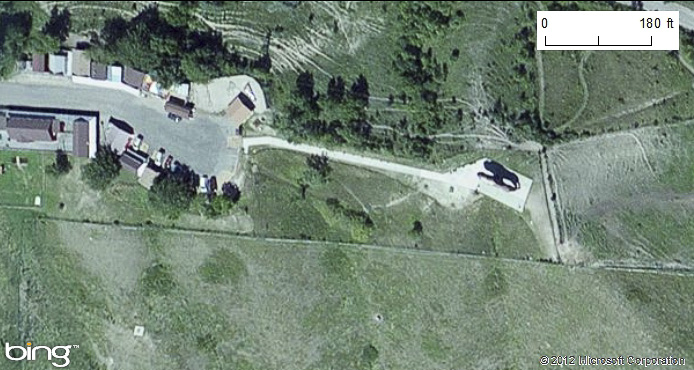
171, 194
100, 172
61, 166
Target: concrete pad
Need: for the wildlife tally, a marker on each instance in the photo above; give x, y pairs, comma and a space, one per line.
216, 95
235, 141
515, 199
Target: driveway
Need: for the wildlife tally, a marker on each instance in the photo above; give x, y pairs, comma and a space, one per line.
201, 143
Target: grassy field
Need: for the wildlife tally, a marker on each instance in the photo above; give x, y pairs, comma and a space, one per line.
564, 94
629, 196
393, 203
210, 302
654, 88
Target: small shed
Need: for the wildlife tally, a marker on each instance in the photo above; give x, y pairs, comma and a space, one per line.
133, 78
98, 71
240, 109
114, 73
132, 161
80, 63
39, 62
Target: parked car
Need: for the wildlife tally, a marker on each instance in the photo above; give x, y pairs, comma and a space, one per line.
137, 142
174, 166
204, 183
159, 157
167, 163
174, 117
213, 184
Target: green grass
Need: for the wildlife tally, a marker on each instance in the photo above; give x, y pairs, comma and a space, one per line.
485, 227
563, 90
313, 306
59, 300
653, 88
19, 186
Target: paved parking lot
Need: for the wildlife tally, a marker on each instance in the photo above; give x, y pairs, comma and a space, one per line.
201, 143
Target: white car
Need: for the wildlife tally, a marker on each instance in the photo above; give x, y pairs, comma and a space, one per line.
159, 157
137, 142
203, 184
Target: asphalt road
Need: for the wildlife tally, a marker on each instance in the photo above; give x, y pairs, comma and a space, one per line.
200, 143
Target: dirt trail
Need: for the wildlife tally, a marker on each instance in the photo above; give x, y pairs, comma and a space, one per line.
635, 109
584, 86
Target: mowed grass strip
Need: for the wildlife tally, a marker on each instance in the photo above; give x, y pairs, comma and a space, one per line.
299, 306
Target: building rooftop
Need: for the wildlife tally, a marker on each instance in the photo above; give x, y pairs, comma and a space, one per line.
114, 73
26, 128
39, 63
80, 138
57, 64
80, 63
98, 71
133, 78
131, 161
118, 134
240, 109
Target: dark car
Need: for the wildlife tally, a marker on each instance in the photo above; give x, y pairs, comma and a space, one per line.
174, 117
213, 184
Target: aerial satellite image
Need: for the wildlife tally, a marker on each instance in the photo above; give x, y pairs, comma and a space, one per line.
346, 185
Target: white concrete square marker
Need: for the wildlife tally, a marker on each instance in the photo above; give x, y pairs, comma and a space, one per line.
139, 331
37, 201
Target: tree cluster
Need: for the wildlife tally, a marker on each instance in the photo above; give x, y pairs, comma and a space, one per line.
61, 166
423, 21
100, 172
173, 192
221, 205
168, 46
24, 31
337, 117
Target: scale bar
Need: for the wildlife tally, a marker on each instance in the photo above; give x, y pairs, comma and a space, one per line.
598, 44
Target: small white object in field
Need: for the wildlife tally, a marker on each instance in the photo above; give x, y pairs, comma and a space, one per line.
139, 331
37, 201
